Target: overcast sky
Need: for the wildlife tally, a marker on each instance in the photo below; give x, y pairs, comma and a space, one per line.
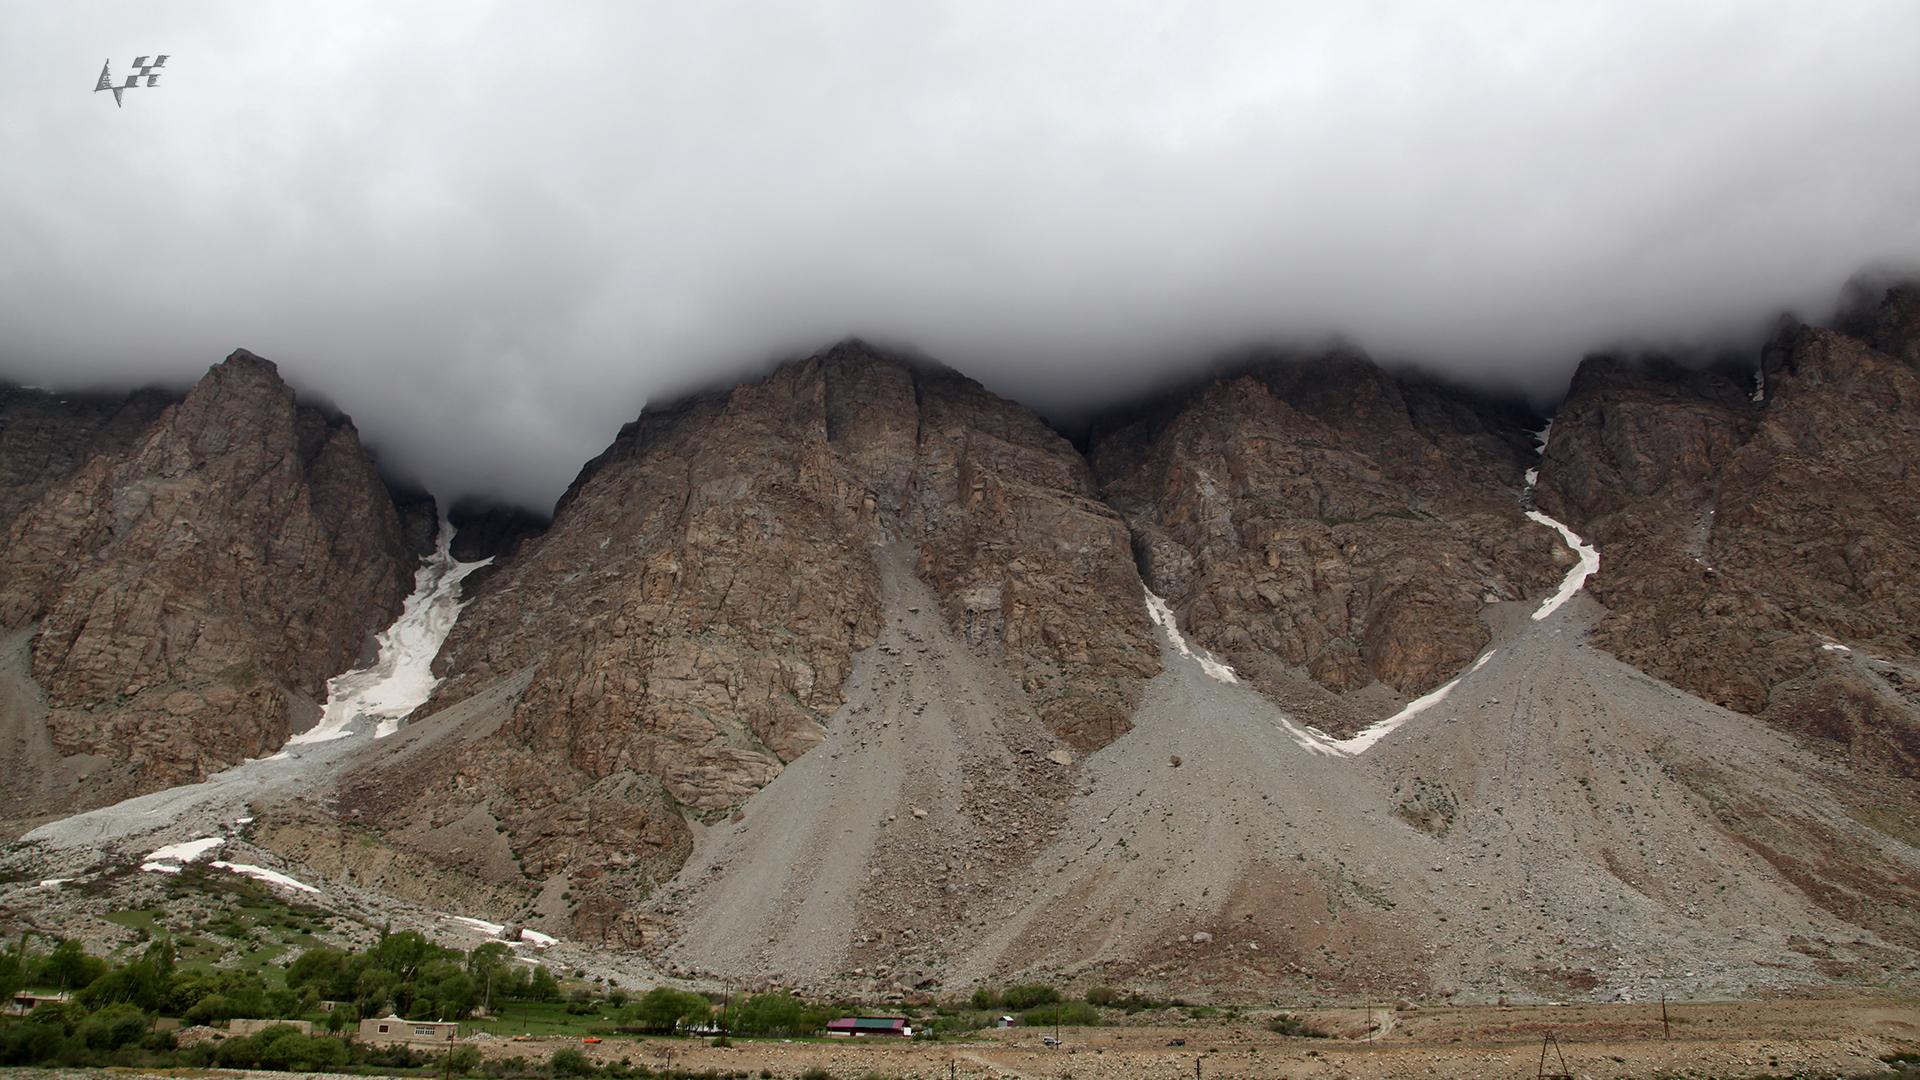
491, 231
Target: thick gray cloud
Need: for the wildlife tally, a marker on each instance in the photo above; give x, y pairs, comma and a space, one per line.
490, 232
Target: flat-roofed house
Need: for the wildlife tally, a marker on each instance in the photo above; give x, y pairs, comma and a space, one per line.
389, 1030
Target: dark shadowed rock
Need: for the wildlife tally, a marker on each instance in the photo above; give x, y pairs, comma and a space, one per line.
484, 529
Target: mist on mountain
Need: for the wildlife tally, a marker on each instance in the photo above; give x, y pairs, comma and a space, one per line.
492, 235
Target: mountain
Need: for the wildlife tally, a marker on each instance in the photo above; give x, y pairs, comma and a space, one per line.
1289, 681
686, 626
1332, 530
178, 579
1761, 551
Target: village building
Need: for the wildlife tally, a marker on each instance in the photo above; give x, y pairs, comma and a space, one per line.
391, 1030
24, 1001
869, 1025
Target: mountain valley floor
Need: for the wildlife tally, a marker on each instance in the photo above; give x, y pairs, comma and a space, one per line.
1842, 1038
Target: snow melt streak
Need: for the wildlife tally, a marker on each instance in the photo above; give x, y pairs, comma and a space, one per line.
401, 679
1588, 565
1162, 615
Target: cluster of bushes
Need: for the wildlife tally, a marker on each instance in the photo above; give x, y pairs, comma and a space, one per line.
109, 1017
1289, 1024
416, 979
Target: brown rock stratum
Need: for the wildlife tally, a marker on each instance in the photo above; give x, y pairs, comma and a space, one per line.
186, 575
689, 620
1762, 553
1329, 528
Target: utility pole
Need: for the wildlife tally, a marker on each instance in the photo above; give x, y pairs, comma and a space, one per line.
450, 1034
1666, 1027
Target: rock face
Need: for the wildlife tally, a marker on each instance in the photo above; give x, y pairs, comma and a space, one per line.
1328, 528
1761, 553
688, 620
196, 569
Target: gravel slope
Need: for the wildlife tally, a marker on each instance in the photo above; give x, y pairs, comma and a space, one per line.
1542, 833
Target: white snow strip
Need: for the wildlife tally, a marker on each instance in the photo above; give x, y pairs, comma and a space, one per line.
191, 851
1540, 437
479, 924
1533, 477
54, 882
539, 939
1834, 646
1588, 565
160, 867
1362, 742
1162, 615
264, 874
401, 679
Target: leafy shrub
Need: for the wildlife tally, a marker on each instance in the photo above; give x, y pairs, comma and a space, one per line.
1068, 1014
568, 1061
1103, 996
1028, 995
1289, 1024
465, 1059
113, 1027
30, 1043
816, 1073
282, 1047
664, 1009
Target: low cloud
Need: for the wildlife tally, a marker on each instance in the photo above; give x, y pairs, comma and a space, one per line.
490, 234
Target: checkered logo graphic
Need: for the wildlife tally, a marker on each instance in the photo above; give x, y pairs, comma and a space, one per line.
143, 70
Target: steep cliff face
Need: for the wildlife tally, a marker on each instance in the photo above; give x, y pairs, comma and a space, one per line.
688, 620
196, 570
1761, 553
1329, 528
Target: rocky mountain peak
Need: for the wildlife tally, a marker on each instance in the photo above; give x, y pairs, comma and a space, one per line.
186, 580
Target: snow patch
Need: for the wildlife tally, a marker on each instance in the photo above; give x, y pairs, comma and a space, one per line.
1834, 646
1588, 565
1162, 615
1360, 743
479, 924
53, 882
190, 851
401, 679
539, 939
264, 874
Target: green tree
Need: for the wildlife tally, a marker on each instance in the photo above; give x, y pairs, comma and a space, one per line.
543, 986
664, 1009
778, 1013
70, 968
324, 968
1028, 995
113, 1027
